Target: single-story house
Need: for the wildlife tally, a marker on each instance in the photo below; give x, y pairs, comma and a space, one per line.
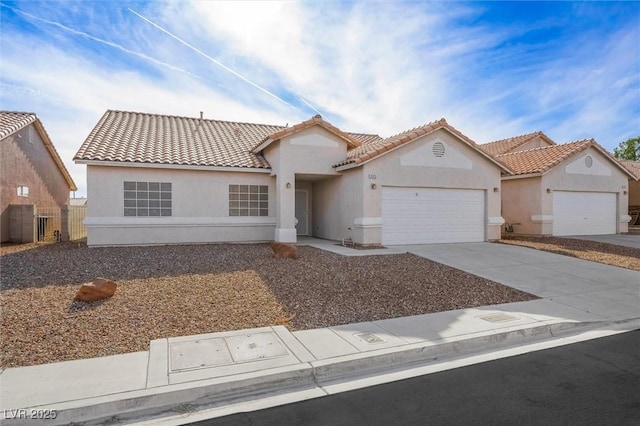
157, 179
634, 190
32, 177
576, 188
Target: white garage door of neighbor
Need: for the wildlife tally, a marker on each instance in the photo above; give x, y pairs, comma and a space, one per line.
584, 213
432, 215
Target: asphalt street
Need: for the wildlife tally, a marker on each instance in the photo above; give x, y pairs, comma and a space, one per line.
596, 382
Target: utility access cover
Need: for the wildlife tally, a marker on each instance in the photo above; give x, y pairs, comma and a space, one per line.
251, 347
198, 354
369, 338
498, 317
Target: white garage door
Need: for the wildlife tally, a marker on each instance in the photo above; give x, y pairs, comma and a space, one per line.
584, 213
431, 215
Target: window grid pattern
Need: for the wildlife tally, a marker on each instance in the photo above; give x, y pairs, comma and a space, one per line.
147, 199
248, 200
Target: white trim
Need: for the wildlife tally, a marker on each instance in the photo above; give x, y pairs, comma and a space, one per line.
173, 166
542, 218
495, 220
171, 221
367, 222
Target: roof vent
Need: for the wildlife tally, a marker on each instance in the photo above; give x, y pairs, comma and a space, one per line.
588, 161
438, 149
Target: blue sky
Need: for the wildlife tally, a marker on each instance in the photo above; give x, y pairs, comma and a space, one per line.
492, 69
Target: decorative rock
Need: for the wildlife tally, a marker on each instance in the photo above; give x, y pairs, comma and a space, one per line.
284, 251
98, 289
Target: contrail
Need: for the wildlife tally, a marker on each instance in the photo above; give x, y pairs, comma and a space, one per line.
240, 76
309, 105
106, 42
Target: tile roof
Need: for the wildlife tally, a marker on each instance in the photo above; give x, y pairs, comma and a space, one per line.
632, 166
316, 120
376, 147
365, 138
504, 146
150, 138
12, 121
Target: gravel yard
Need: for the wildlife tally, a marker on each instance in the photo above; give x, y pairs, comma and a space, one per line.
166, 291
624, 257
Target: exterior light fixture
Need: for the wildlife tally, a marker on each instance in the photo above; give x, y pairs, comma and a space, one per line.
288, 184
374, 186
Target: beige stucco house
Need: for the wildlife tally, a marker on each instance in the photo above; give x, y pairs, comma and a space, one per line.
155, 179
33, 178
576, 188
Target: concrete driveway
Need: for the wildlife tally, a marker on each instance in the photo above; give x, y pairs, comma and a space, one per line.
603, 290
618, 240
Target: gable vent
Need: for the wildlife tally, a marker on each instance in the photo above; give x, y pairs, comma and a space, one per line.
438, 149
588, 161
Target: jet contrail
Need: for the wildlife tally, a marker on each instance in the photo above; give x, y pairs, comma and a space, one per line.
309, 105
102, 41
240, 76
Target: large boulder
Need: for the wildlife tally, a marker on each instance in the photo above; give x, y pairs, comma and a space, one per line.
98, 289
284, 251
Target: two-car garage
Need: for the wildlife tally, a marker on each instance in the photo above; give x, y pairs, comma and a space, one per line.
584, 213
418, 215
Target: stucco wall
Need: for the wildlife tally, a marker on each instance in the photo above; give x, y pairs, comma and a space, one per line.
521, 205
200, 208
414, 165
338, 202
27, 162
310, 152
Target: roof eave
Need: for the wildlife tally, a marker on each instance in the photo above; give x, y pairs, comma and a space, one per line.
110, 163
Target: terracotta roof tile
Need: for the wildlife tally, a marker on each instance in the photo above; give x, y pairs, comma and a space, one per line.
12, 121
539, 160
162, 139
378, 147
504, 146
632, 166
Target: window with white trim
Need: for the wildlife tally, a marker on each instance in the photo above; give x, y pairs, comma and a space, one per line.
23, 191
147, 199
248, 200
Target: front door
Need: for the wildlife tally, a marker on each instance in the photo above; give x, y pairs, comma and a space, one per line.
302, 212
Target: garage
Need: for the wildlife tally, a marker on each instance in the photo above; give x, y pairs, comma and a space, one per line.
584, 213
432, 215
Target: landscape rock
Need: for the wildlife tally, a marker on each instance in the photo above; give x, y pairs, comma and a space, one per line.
98, 289
284, 251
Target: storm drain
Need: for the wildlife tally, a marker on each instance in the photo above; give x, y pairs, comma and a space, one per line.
498, 317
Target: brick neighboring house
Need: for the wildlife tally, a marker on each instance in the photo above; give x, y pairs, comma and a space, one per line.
32, 177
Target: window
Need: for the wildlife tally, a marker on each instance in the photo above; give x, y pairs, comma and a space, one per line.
23, 191
248, 200
147, 199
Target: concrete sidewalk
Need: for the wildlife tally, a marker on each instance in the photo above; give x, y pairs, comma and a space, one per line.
187, 374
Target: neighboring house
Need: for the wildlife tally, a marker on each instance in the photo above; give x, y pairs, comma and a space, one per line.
634, 190
155, 179
576, 188
78, 202
31, 173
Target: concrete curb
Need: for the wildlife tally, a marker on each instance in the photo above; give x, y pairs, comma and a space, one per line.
192, 396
